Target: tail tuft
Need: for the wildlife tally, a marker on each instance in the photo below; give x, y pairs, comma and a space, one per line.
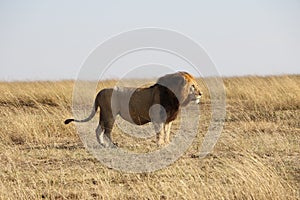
69, 120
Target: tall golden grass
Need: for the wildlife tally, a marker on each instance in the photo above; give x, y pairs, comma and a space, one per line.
257, 156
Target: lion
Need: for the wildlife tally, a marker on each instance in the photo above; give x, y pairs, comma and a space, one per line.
159, 104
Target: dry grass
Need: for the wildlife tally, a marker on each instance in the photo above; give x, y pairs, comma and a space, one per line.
257, 156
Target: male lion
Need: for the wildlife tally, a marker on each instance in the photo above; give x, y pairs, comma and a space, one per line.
158, 104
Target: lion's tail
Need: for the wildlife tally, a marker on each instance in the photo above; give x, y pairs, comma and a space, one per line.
95, 108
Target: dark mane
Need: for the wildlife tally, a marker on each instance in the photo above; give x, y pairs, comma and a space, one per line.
169, 101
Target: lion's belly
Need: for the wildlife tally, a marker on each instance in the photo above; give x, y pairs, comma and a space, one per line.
135, 117
139, 105
140, 118
133, 105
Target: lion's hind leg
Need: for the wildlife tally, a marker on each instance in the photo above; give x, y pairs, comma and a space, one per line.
99, 135
103, 134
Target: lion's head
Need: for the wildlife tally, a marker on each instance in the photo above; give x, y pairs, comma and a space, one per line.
183, 85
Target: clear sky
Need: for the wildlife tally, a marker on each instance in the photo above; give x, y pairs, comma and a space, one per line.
50, 39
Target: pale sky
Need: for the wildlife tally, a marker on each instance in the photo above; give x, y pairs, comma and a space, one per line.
50, 40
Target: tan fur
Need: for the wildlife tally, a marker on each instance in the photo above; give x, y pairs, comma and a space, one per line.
140, 105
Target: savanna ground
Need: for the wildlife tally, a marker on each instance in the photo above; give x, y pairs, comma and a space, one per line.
256, 157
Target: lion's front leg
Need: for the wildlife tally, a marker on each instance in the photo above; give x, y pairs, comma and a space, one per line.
160, 132
167, 129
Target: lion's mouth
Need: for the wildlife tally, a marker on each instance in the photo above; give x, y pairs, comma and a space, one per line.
198, 99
